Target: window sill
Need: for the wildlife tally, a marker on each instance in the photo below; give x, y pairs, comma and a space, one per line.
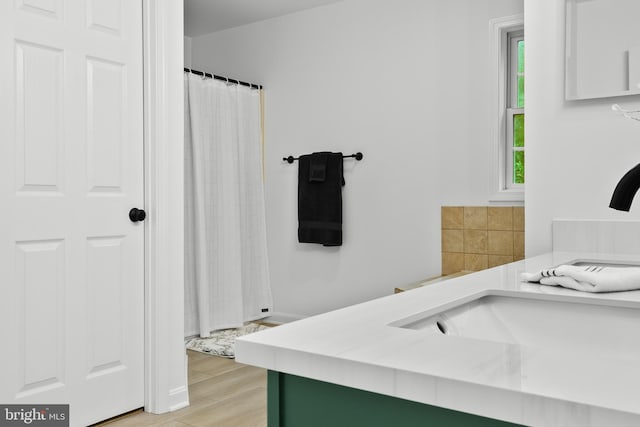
512, 195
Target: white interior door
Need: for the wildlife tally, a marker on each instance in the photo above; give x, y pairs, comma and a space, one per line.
71, 168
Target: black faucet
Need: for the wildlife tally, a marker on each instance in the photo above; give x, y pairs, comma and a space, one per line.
626, 189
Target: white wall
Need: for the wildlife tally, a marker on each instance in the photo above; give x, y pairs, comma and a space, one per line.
576, 150
187, 52
405, 82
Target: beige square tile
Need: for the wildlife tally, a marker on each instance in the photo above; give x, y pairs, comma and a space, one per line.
495, 260
475, 262
518, 218
452, 262
475, 241
518, 245
452, 217
500, 218
452, 241
500, 242
475, 217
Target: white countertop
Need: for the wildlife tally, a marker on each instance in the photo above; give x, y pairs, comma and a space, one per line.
356, 347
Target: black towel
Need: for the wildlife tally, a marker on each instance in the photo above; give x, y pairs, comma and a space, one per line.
320, 181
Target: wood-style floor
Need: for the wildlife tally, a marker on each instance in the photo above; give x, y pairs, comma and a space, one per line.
222, 393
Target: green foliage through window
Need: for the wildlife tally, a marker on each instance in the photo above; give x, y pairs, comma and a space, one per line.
518, 167
518, 130
518, 143
520, 74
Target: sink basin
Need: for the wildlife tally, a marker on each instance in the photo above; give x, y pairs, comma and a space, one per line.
582, 326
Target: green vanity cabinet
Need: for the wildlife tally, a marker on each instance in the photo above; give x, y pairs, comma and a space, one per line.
295, 401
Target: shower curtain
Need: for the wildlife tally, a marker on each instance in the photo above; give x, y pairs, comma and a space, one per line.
226, 266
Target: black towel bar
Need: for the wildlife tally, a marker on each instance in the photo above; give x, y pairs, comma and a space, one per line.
358, 156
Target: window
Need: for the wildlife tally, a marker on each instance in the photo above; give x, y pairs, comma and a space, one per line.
507, 107
515, 111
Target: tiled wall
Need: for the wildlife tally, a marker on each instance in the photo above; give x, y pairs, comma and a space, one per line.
479, 237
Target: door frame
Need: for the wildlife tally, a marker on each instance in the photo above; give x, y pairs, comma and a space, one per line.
165, 358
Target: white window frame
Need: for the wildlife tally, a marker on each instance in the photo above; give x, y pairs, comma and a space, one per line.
501, 139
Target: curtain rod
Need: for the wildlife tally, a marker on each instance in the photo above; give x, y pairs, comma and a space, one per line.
226, 79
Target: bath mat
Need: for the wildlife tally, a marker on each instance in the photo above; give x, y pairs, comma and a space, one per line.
222, 343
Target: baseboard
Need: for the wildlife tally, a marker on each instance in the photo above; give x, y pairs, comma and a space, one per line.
178, 398
280, 317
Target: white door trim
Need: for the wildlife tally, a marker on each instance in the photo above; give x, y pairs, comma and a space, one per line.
165, 355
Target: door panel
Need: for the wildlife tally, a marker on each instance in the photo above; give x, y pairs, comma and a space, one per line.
71, 168
49, 8
39, 97
105, 292
104, 15
106, 110
40, 276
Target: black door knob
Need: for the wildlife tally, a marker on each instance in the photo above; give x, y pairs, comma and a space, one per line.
136, 215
